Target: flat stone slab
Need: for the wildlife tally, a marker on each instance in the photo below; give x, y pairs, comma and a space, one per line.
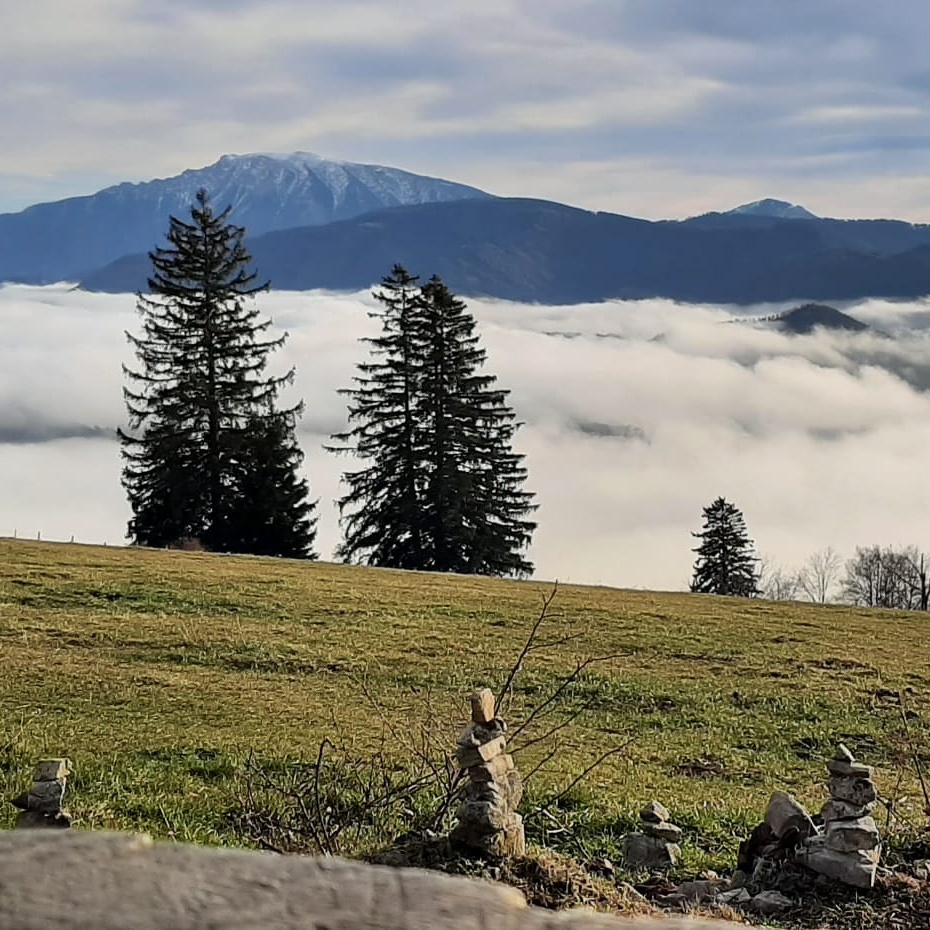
654, 812
467, 756
663, 831
843, 810
52, 770
851, 769
852, 868
117, 881
852, 835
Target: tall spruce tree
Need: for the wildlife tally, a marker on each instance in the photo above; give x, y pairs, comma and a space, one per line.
381, 510
725, 563
208, 455
474, 507
442, 487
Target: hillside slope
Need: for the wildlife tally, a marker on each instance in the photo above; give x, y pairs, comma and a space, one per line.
158, 672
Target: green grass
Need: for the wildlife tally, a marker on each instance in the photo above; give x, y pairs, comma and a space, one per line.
158, 672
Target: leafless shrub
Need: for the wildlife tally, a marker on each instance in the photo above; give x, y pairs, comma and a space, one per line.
351, 802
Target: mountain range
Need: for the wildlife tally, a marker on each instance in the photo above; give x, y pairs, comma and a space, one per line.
67, 239
341, 226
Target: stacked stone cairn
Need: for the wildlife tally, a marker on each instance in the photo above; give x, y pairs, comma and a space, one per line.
655, 844
488, 822
849, 848
41, 804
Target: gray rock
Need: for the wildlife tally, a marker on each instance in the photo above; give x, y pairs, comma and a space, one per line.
654, 812
514, 783
856, 791
770, 902
495, 768
52, 770
856, 869
852, 835
34, 820
738, 879
734, 898
467, 756
46, 796
785, 814
855, 769
843, 754
663, 831
478, 816
649, 852
489, 829
697, 892
835, 809
111, 881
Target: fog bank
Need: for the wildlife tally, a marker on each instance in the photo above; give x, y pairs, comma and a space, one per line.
636, 414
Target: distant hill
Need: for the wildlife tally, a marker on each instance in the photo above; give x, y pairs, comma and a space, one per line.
65, 240
808, 317
538, 251
778, 209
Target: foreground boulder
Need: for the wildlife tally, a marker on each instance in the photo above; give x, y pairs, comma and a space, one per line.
120, 881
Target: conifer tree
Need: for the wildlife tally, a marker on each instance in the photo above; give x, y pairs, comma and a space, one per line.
725, 563
442, 488
207, 454
474, 507
381, 509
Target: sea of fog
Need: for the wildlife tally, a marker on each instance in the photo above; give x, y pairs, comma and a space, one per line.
636, 415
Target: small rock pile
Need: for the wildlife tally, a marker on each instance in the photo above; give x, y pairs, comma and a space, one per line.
655, 845
849, 848
488, 821
41, 804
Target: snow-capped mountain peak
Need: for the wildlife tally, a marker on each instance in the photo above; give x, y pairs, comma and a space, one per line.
780, 209
266, 191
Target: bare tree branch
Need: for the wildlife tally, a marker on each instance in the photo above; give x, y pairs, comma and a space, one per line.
506, 693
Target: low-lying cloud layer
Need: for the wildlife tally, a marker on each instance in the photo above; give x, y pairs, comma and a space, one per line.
637, 415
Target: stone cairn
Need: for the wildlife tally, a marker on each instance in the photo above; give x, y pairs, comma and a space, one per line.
655, 845
41, 804
488, 821
849, 848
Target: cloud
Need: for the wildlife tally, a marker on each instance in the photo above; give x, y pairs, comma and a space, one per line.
657, 109
636, 414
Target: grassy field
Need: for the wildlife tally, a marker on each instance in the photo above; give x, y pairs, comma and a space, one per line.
157, 673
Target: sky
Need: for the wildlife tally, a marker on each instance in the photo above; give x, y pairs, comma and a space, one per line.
653, 108
637, 415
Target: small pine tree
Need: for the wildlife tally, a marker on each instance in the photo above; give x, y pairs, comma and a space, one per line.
204, 431
270, 513
725, 563
442, 488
